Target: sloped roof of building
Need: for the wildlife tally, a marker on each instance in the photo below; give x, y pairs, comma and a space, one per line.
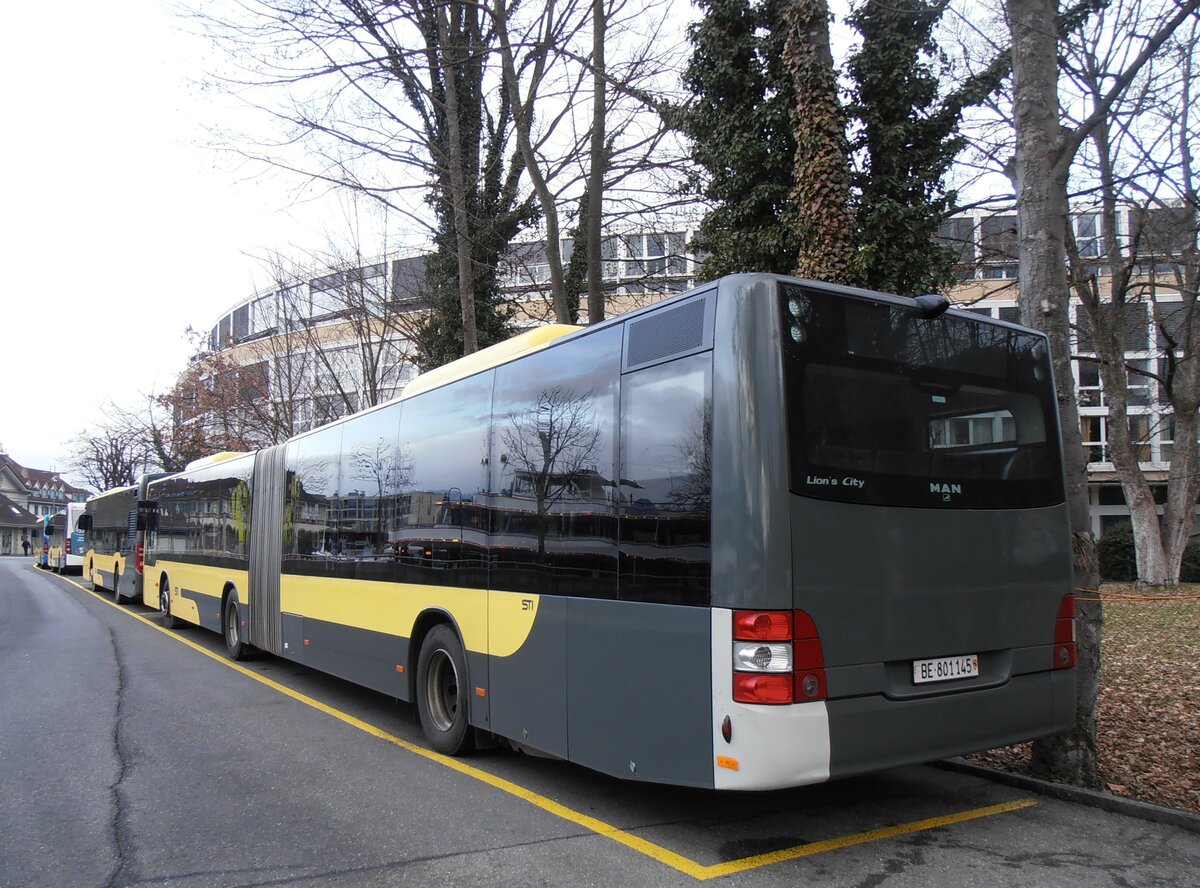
12, 515
39, 479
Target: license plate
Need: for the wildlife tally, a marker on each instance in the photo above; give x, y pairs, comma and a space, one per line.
945, 668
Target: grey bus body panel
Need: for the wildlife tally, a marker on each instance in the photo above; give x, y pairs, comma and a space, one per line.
888, 584
751, 543
872, 733
363, 656
639, 690
528, 689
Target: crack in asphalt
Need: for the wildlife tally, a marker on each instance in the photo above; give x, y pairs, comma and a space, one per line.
299, 876
122, 845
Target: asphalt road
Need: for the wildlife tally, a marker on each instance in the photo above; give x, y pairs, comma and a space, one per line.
130, 757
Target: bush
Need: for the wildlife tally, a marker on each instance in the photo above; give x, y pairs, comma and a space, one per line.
1115, 552
1189, 568
1118, 558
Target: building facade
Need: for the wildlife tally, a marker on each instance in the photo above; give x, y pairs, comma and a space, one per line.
26, 496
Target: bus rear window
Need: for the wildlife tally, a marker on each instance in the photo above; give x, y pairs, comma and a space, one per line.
886, 407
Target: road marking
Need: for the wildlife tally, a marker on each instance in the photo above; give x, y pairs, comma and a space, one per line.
665, 856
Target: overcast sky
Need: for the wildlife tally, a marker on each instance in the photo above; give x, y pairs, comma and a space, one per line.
120, 228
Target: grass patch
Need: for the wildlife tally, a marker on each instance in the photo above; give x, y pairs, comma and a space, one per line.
1148, 714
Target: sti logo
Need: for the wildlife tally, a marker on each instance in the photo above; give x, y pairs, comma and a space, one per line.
946, 490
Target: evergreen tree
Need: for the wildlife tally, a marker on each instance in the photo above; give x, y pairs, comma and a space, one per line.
772, 203
907, 141
739, 123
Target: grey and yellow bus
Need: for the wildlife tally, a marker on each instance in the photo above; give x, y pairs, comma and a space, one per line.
114, 532
766, 533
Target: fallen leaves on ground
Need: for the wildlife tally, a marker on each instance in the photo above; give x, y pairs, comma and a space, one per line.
1148, 713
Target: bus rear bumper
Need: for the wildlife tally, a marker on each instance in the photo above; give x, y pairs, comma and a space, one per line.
874, 732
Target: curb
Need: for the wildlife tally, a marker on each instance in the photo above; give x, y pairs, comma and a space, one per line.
1090, 797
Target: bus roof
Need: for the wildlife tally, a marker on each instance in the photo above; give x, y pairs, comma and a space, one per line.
111, 491
492, 356
205, 461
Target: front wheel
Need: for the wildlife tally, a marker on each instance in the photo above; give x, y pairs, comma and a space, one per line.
164, 605
234, 646
442, 685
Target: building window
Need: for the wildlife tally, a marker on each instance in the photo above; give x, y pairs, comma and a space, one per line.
1087, 234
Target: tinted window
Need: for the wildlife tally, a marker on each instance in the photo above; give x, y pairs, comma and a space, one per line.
311, 543
890, 408
373, 472
442, 527
666, 483
110, 521
552, 493
204, 517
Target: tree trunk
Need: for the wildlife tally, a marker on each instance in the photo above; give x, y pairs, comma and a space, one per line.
1039, 172
821, 193
597, 162
458, 194
523, 123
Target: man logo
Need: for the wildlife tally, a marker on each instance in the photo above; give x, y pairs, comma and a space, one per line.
945, 489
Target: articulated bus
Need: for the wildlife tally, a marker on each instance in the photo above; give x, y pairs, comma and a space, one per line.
67, 540
114, 525
766, 533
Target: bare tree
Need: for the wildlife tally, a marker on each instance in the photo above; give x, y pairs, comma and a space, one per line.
1045, 150
1137, 168
391, 100
113, 455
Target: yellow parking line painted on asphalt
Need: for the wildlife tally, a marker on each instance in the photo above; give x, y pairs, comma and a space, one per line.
663, 855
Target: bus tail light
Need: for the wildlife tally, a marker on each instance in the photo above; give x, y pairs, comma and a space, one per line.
1064, 634
810, 660
67, 546
141, 557
777, 658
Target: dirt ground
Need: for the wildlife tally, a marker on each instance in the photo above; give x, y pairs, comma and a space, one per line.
1149, 709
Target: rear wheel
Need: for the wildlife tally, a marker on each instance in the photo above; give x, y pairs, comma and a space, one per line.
442, 684
234, 646
116, 589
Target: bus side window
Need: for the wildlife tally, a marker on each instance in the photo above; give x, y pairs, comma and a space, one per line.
666, 482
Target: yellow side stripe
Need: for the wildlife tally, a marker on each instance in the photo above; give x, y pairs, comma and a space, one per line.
663, 855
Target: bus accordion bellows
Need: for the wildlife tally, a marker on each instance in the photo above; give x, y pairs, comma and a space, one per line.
763, 534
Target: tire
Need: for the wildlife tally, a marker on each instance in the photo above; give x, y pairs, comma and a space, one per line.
116, 589
442, 692
235, 647
164, 605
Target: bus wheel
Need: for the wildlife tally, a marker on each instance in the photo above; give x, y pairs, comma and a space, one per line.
116, 590
164, 605
234, 646
442, 692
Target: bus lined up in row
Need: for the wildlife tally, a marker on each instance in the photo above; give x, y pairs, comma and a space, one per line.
766, 533
114, 527
64, 540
